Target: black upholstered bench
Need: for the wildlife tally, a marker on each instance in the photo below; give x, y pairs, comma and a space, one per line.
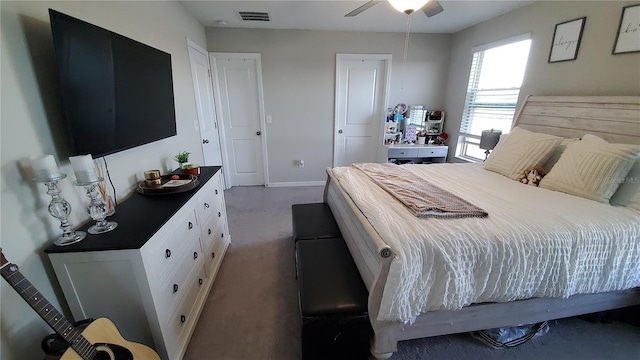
313, 221
333, 301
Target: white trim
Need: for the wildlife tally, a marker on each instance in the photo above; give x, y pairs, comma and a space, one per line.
195, 46
297, 183
384, 101
263, 127
497, 43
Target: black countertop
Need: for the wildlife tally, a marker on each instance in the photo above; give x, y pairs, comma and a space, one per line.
138, 218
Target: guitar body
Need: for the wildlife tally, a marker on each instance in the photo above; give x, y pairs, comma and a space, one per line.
110, 344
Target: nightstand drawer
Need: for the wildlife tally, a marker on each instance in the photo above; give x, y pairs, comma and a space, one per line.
403, 153
433, 152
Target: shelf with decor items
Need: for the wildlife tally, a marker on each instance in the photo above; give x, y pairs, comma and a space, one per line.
152, 274
419, 154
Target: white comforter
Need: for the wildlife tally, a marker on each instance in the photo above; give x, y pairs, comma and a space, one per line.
535, 243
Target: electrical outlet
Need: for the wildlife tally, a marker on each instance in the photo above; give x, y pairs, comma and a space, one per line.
300, 163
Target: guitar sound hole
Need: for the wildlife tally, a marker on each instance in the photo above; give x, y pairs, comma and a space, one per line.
112, 352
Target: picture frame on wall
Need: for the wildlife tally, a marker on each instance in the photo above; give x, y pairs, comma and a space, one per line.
628, 35
566, 40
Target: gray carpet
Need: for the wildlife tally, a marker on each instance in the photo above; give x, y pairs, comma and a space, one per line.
252, 310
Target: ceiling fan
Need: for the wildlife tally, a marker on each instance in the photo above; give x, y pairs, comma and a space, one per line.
431, 8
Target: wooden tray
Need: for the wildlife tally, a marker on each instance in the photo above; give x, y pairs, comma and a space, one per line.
164, 189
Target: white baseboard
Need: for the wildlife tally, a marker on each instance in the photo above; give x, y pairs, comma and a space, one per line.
297, 183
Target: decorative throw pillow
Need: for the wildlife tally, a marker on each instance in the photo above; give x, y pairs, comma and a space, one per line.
591, 168
520, 151
628, 193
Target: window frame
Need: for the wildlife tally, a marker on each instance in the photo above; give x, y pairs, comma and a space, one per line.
465, 139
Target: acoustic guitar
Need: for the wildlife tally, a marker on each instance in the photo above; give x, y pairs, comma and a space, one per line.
99, 341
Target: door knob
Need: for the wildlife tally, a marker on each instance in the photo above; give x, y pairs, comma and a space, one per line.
205, 141
340, 131
258, 133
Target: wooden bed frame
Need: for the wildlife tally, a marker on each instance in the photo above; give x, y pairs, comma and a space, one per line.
616, 119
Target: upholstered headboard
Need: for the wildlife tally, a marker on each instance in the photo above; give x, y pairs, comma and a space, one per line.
613, 118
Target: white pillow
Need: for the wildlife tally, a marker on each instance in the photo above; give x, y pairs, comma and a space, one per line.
628, 193
591, 168
521, 151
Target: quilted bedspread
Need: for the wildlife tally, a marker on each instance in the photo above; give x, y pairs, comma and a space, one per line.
534, 243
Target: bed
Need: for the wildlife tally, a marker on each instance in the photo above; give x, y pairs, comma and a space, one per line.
382, 242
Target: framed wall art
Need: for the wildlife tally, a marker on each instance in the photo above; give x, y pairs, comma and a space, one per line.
566, 40
628, 35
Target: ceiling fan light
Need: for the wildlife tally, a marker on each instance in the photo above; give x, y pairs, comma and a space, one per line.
407, 6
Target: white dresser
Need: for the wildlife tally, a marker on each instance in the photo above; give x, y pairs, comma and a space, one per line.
425, 154
152, 274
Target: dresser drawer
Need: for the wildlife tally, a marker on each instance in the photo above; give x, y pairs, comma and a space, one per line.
212, 254
433, 152
208, 203
166, 253
214, 222
168, 292
184, 316
403, 153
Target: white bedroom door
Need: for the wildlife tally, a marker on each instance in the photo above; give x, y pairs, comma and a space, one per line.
202, 87
238, 82
362, 88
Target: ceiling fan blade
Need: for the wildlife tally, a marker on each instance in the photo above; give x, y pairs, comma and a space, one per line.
432, 8
362, 8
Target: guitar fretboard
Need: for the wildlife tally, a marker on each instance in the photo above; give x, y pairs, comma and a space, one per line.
47, 311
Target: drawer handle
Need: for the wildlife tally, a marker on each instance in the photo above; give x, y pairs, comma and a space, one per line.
200, 282
209, 231
206, 205
195, 255
167, 253
213, 255
190, 225
183, 318
175, 288
219, 214
216, 191
402, 152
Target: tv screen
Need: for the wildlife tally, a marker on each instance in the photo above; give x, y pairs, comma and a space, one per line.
117, 93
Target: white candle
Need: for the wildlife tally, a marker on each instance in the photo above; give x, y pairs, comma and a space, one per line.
84, 169
45, 167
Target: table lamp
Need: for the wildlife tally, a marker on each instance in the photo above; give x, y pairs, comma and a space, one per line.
488, 141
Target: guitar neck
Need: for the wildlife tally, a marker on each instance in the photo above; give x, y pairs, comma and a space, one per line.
47, 311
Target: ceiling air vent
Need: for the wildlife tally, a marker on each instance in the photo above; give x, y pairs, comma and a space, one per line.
254, 16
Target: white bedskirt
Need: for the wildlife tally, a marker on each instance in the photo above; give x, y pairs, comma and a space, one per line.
535, 243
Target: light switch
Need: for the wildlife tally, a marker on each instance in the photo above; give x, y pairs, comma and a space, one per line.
269, 119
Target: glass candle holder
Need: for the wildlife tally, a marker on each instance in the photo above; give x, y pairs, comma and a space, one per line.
60, 209
97, 208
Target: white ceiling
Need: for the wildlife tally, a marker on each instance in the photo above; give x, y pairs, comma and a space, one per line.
329, 15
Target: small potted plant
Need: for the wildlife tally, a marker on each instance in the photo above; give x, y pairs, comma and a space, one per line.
182, 158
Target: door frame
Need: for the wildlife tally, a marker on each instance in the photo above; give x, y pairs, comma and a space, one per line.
385, 97
222, 120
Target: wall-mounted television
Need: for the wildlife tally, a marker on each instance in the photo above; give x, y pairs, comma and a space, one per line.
117, 93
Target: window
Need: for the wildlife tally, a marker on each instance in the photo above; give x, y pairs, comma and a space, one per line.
497, 71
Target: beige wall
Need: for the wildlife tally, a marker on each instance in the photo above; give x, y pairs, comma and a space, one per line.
298, 68
594, 72
31, 125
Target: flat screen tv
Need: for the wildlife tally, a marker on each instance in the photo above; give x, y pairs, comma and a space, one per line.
117, 93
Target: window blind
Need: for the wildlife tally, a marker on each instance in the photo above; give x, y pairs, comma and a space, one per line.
497, 71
